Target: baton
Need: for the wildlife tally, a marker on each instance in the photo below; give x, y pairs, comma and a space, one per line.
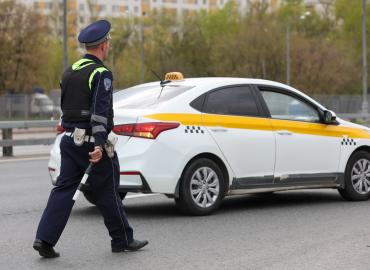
83, 181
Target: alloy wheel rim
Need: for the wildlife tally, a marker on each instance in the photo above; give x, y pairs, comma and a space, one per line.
204, 187
360, 176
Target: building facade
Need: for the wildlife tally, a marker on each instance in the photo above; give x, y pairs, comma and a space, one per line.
116, 8
82, 12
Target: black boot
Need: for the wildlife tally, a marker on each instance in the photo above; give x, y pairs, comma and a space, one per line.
45, 250
133, 246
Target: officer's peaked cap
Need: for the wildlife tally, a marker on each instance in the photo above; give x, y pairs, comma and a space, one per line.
95, 33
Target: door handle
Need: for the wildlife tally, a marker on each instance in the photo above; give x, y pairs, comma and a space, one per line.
219, 129
284, 132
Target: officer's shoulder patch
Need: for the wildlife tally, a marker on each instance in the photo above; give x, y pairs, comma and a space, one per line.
107, 84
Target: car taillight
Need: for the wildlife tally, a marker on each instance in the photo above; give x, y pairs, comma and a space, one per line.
59, 129
144, 130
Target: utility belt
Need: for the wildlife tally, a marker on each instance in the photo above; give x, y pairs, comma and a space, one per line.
87, 138
79, 138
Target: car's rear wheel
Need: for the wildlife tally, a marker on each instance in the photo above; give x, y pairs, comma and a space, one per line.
202, 188
91, 199
357, 178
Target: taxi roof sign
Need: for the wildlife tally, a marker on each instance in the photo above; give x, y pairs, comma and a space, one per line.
174, 76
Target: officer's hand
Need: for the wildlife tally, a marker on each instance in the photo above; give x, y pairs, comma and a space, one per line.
96, 155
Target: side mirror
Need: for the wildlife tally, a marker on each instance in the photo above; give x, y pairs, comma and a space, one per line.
330, 117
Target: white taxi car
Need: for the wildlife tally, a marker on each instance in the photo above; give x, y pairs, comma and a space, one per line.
200, 139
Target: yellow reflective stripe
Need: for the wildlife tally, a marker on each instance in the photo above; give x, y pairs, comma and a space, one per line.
255, 123
240, 122
100, 70
216, 120
77, 65
319, 129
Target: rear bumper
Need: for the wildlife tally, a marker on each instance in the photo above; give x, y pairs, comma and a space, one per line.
143, 187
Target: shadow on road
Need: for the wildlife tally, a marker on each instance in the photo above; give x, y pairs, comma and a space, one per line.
163, 208
279, 200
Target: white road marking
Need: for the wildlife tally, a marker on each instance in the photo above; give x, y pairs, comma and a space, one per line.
23, 159
141, 195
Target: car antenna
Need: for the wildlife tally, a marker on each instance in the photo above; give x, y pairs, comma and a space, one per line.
162, 82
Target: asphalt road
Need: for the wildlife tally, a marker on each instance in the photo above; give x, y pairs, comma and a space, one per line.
290, 230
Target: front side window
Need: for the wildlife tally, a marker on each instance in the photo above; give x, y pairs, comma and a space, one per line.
232, 101
286, 107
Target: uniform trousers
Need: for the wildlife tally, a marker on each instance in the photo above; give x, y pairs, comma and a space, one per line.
104, 182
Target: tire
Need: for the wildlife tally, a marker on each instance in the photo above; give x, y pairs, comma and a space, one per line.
207, 196
91, 199
356, 181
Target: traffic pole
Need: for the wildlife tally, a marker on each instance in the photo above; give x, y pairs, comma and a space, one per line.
365, 105
65, 38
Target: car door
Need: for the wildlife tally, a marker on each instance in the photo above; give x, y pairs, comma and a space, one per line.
307, 150
234, 118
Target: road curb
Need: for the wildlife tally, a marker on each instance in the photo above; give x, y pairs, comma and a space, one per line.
24, 158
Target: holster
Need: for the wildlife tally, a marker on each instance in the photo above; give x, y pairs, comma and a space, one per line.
79, 136
109, 146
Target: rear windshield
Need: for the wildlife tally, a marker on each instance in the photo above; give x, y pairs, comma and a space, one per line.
146, 96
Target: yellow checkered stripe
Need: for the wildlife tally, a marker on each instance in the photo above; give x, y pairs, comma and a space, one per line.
266, 124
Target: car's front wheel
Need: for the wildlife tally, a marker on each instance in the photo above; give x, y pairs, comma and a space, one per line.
202, 188
89, 196
357, 178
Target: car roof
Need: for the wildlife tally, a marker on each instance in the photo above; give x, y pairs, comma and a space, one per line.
214, 82
220, 81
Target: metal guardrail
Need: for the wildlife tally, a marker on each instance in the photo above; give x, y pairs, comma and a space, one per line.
44, 141
7, 127
28, 124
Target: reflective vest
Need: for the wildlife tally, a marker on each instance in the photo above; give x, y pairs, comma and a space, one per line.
76, 91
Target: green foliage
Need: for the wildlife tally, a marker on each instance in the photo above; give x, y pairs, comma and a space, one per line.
325, 47
349, 17
21, 47
225, 43
291, 10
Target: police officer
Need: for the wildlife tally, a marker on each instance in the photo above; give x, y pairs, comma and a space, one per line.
87, 117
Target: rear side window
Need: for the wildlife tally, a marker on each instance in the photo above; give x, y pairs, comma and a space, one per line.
238, 100
198, 102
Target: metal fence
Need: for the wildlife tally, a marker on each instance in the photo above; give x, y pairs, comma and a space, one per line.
14, 106
28, 106
341, 104
31, 106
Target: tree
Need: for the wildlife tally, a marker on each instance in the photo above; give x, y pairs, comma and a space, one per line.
226, 43
22, 47
321, 66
